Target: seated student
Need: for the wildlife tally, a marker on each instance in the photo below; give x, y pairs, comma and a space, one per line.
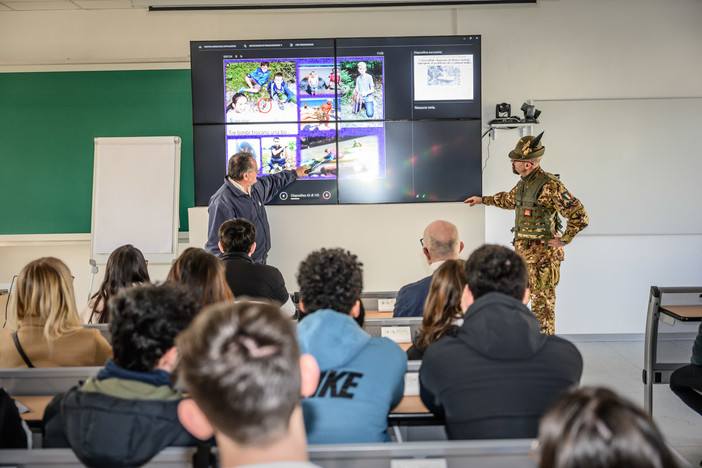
443, 310
509, 371
242, 366
203, 275
593, 427
440, 243
686, 382
244, 276
49, 332
362, 378
125, 267
128, 412
14, 432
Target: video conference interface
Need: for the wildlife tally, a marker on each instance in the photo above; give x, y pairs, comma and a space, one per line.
373, 120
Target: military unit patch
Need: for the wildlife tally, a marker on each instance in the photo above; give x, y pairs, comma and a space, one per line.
527, 212
567, 196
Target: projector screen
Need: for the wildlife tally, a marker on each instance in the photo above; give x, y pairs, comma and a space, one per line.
375, 120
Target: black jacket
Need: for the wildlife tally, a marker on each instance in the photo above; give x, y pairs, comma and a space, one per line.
107, 431
248, 278
496, 377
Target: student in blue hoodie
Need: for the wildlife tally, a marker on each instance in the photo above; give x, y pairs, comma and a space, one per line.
361, 378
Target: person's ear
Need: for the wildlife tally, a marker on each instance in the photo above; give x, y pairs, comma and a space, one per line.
253, 249
527, 296
356, 309
425, 251
466, 298
221, 249
460, 248
302, 306
169, 360
309, 371
193, 419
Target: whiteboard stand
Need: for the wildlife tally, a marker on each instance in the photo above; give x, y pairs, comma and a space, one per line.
136, 190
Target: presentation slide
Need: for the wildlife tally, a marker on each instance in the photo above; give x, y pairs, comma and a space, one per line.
361, 115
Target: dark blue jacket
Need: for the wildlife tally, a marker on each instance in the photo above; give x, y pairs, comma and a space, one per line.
411, 297
229, 202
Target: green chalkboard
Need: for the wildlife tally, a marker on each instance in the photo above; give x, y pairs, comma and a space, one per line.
47, 125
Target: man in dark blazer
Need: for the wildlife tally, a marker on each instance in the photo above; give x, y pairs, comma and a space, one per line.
244, 276
440, 243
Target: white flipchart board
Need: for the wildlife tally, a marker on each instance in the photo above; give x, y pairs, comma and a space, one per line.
136, 188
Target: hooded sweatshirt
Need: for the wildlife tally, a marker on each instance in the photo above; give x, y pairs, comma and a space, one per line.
497, 374
362, 379
119, 418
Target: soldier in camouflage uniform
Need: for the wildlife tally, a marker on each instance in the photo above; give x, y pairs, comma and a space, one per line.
538, 199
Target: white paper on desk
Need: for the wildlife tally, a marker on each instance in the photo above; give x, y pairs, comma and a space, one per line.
386, 305
397, 334
21, 408
421, 463
412, 384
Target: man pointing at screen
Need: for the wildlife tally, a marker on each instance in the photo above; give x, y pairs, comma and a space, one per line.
244, 195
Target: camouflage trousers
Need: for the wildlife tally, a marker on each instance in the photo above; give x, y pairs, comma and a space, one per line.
544, 264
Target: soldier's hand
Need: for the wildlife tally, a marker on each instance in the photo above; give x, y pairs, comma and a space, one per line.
555, 242
474, 200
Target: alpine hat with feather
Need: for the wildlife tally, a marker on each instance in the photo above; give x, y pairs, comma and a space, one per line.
528, 147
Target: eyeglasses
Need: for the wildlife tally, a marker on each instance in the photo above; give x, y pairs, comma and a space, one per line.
421, 241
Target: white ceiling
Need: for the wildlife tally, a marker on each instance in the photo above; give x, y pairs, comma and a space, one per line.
37, 5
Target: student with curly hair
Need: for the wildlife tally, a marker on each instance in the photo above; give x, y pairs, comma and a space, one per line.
128, 412
444, 307
362, 378
125, 268
203, 274
49, 332
595, 428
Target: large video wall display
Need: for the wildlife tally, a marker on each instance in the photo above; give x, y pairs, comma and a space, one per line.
374, 120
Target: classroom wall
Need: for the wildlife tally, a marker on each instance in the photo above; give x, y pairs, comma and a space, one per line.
557, 49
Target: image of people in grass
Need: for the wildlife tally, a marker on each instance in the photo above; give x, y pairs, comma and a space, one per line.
260, 91
361, 89
279, 153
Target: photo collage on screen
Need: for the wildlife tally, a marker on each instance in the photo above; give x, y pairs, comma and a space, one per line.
285, 113
373, 120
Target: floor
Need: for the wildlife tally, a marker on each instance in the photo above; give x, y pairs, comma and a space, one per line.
618, 365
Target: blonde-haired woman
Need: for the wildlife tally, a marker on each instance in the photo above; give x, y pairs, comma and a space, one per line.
49, 332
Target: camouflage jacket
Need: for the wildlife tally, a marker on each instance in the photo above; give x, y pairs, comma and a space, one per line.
556, 198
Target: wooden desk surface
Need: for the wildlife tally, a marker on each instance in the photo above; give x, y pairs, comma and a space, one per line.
37, 404
691, 313
378, 314
410, 404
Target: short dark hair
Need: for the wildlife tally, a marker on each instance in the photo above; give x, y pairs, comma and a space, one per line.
237, 235
278, 75
594, 427
493, 268
239, 164
264, 64
125, 267
330, 279
145, 321
203, 274
240, 362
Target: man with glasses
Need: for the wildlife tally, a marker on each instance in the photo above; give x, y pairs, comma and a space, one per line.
244, 195
440, 243
538, 199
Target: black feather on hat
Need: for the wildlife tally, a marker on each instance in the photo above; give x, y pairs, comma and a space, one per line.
528, 147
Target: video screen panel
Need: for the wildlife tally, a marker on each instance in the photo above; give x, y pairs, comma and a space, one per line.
374, 120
